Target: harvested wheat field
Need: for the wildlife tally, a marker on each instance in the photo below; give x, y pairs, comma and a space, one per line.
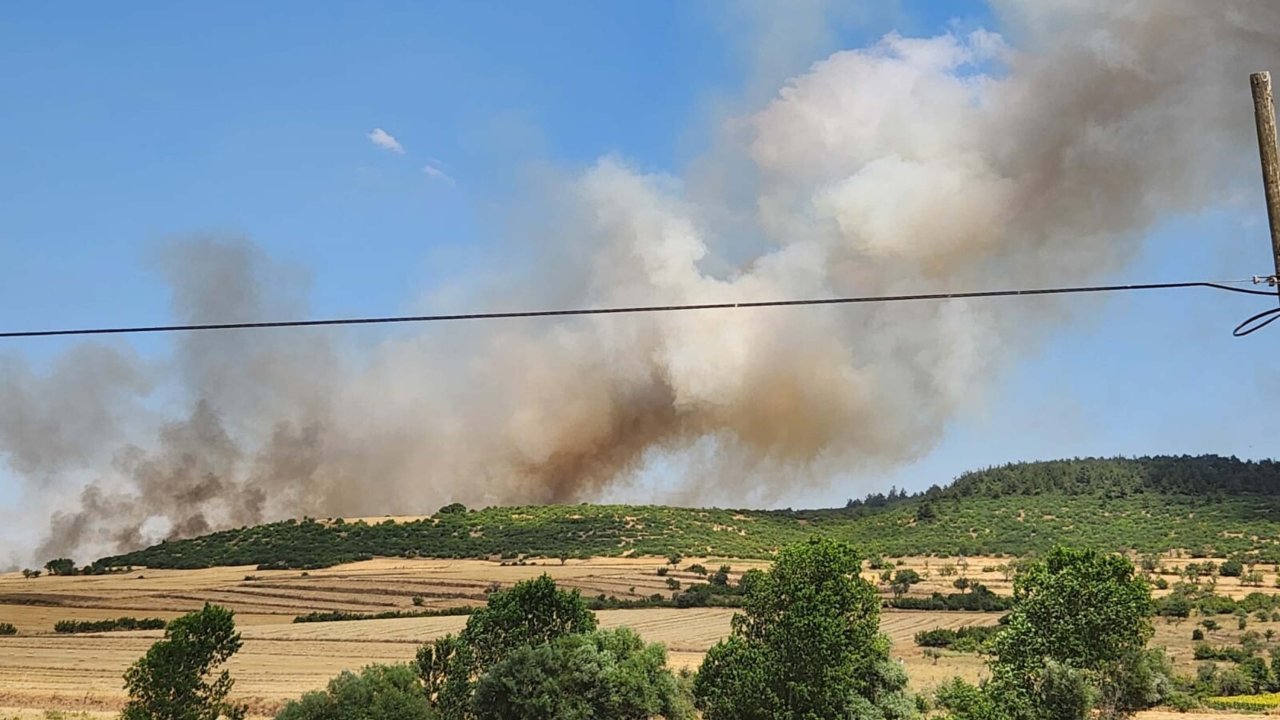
281, 659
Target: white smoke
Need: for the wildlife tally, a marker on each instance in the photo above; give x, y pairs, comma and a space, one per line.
1038, 155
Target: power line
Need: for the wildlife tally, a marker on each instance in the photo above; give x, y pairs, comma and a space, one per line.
1240, 330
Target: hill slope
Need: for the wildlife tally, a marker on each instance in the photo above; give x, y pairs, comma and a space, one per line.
1205, 504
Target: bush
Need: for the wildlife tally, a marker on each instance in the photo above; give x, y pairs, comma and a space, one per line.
978, 599
344, 615
121, 623
967, 702
963, 638
604, 674
1174, 605
720, 577
419, 601
8, 629
381, 692
1141, 680
1179, 701
1230, 681
1197, 634
1205, 651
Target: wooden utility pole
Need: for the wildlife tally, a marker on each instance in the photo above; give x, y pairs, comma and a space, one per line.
1264, 113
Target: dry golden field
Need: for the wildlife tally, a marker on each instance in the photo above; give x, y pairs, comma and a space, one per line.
41, 670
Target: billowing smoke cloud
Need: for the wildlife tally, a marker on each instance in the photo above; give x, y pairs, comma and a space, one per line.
1038, 155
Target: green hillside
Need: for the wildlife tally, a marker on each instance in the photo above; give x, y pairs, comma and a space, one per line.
1207, 505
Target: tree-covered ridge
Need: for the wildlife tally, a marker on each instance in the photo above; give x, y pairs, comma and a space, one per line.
1205, 504
1121, 477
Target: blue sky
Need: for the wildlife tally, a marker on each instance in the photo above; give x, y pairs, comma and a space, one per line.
127, 124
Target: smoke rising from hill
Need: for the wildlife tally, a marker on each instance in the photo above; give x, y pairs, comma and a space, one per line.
1035, 156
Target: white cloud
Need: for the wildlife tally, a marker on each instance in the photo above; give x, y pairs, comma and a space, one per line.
386, 141
433, 169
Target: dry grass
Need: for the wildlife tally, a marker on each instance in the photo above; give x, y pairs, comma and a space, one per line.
280, 659
272, 596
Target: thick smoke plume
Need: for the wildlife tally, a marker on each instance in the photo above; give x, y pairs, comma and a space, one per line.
1038, 155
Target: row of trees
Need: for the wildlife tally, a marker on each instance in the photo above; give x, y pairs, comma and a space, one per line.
806, 646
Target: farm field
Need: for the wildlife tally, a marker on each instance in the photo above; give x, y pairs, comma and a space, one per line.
281, 659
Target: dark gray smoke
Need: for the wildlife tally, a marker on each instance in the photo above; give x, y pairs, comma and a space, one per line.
1035, 156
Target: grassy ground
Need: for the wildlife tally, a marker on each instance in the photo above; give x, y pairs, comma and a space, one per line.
281, 659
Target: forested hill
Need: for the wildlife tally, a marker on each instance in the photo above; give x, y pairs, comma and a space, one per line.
1207, 505
1119, 477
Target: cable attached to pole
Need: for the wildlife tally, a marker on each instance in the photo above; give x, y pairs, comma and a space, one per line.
1240, 330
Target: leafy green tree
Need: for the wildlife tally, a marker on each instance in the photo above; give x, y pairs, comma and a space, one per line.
674, 559
378, 692
904, 579
1083, 612
174, 681
1231, 567
806, 646
720, 577
61, 566
605, 674
434, 661
533, 612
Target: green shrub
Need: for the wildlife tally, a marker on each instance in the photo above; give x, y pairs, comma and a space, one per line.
377, 692
121, 623
604, 674
961, 639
